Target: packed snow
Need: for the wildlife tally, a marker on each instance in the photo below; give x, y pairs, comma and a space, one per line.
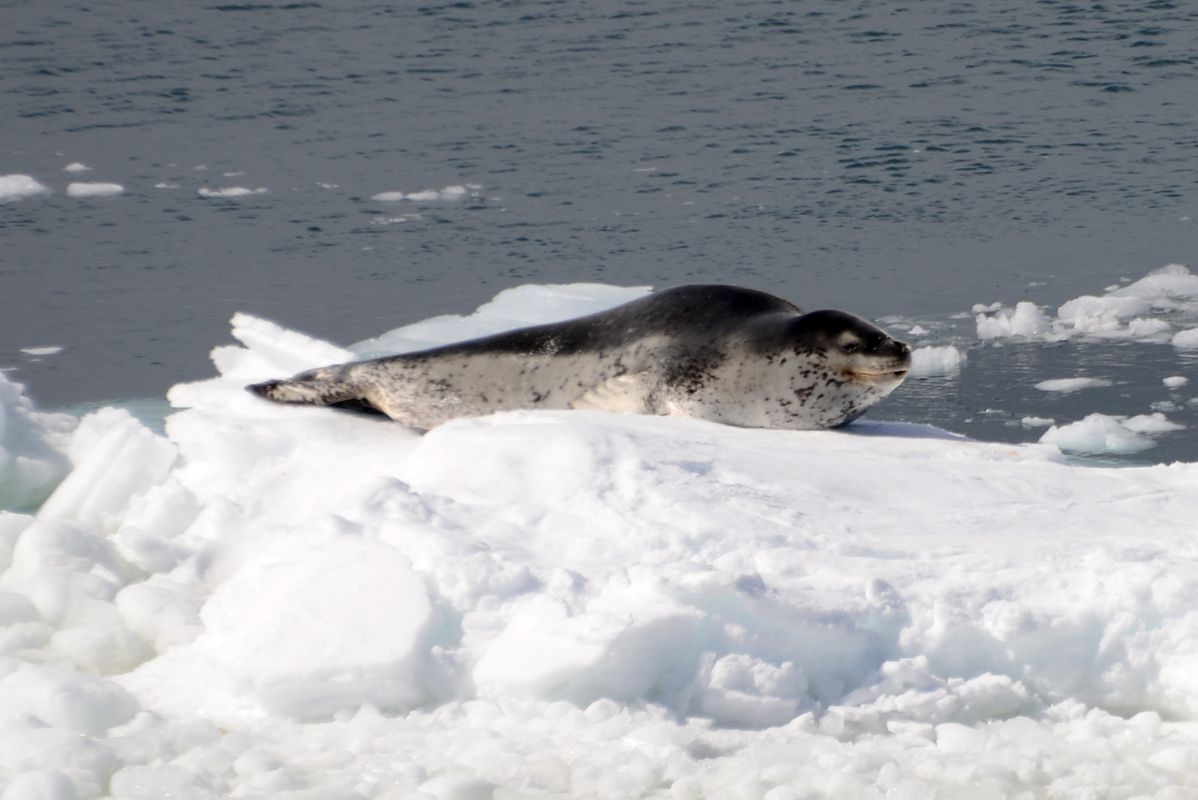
295, 602
94, 189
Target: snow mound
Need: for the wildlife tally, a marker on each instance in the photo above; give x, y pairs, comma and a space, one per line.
291, 601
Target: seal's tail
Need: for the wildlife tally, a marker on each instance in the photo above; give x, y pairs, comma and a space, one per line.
320, 387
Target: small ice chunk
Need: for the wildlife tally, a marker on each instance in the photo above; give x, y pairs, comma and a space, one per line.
1176, 381
1185, 340
1152, 423
1024, 320
14, 187
41, 351
1071, 384
94, 189
297, 637
76, 166
1037, 422
230, 191
918, 330
446, 194
1147, 328
1095, 435
936, 361
83, 703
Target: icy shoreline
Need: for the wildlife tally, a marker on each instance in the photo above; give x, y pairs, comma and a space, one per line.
289, 602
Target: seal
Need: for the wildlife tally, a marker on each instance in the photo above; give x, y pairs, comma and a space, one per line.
721, 353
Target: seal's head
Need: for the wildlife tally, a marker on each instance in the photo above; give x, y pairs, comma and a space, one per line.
854, 348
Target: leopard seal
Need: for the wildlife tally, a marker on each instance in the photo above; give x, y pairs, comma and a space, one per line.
721, 353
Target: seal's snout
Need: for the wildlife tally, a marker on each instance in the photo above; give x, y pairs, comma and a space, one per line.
264, 389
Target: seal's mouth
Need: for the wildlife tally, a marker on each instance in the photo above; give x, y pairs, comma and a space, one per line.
879, 374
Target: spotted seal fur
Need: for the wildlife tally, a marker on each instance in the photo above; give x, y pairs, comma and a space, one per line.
721, 353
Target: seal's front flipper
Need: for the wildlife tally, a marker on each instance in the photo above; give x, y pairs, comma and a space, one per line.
623, 394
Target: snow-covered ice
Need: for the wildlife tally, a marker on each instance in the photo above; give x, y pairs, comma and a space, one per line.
1176, 381
15, 187
76, 166
294, 602
94, 189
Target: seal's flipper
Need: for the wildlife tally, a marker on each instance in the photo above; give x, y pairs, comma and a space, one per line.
623, 394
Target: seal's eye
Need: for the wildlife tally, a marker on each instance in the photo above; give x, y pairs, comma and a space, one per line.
851, 347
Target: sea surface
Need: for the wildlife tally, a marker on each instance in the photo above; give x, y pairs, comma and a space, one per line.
901, 161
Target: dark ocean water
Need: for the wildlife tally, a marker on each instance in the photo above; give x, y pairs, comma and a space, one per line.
892, 160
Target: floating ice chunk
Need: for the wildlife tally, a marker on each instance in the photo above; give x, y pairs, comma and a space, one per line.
1096, 434
230, 191
295, 635
1036, 422
1185, 340
1176, 381
447, 194
15, 187
1026, 319
76, 166
1151, 423
1071, 384
94, 189
41, 351
918, 330
936, 361
1148, 328
1098, 315
33, 448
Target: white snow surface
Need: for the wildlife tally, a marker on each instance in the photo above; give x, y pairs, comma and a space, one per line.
15, 187
1121, 313
276, 601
